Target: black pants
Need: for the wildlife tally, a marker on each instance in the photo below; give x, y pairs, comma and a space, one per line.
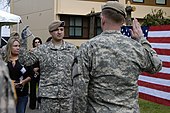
33, 97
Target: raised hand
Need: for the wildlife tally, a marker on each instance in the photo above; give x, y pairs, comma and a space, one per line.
136, 31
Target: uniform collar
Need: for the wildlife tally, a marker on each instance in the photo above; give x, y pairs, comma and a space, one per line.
55, 47
111, 32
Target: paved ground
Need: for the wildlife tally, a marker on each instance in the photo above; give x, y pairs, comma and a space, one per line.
28, 110
33, 111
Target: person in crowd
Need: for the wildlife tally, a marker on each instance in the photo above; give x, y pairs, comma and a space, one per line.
7, 99
19, 73
109, 66
3, 49
55, 59
36, 42
35, 78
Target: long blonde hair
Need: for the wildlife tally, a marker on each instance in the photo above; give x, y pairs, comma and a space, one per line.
9, 48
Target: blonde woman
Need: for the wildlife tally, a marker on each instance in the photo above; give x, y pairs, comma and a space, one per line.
19, 73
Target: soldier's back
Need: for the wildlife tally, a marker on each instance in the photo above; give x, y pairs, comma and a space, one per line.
7, 102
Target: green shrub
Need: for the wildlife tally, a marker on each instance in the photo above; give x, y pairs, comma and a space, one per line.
156, 17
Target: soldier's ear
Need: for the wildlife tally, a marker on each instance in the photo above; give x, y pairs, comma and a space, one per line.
103, 20
50, 33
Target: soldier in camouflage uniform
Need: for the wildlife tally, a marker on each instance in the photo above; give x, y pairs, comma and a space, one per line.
109, 65
55, 60
7, 102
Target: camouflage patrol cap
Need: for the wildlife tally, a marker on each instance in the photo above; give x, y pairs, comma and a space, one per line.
55, 24
115, 6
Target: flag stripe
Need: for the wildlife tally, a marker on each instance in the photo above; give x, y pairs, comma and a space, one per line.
154, 92
154, 86
166, 64
158, 75
161, 45
158, 34
162, 51
153, 80
164, 58
154, 99
160, 28
165, 70
159, 39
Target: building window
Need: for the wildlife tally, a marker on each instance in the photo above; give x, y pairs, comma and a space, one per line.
162, 2
75, 27
98, 26
113, 0
140, 1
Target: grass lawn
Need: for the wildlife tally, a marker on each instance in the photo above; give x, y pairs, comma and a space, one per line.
150, 107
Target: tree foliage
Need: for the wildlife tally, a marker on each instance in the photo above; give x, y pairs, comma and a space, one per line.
156, 17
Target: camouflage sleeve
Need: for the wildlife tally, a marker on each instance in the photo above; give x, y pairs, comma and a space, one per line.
26, 57
7, 102
81, 80
154, 64
3, 51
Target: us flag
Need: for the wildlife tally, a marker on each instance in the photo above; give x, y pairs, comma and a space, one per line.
156, 87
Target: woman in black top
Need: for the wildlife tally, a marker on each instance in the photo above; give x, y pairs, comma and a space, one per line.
18, 73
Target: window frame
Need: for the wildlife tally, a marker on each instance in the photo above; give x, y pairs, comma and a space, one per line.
162, 2
98, 27
74, 27
138, 1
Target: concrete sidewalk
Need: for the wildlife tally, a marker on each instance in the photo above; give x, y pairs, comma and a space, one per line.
28, 110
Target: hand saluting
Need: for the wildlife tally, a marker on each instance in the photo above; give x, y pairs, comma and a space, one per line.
136, 31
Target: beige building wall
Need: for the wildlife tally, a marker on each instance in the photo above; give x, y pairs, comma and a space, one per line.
78, 7
141, 10
82, 7
39, 13
35, 13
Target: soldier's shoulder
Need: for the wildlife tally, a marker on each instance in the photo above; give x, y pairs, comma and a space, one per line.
92, 41
3, 69
95, 39
43, 47
2, 65
71, 45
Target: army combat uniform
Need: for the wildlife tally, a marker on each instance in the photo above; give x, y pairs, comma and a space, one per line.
7, 102
108, 70
55, 68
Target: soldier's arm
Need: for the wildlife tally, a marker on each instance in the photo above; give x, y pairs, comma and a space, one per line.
3, 51
80, 81
27, 57
6, 91
153, 64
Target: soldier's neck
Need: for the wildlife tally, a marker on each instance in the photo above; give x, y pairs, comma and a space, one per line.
111, 26
58, 42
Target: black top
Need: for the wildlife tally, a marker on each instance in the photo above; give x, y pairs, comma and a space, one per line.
17, 73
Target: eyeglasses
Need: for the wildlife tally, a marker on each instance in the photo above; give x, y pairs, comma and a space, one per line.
37, 42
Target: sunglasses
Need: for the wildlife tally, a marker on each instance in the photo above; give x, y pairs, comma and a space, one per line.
37, 42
